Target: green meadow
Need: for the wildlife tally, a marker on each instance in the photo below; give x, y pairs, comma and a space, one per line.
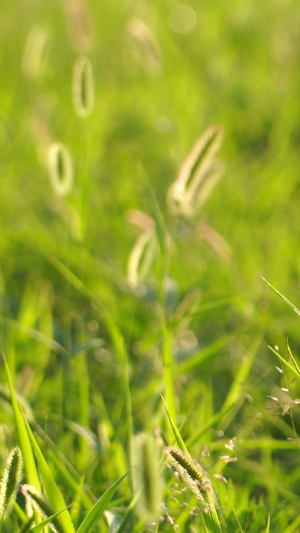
149, 266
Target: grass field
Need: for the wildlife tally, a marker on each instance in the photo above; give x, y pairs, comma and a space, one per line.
138, 266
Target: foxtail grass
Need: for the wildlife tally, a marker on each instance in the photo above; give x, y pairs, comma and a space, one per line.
197, 176
60, 169
83, 87
10, 482
141, 258
147, 45
36, 500
194, 476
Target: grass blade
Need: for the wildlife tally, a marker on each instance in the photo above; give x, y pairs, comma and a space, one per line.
39, 527
168, 363
234, 393
53, 492
290, 304
29, 462
286, 363
176, 432
100, 506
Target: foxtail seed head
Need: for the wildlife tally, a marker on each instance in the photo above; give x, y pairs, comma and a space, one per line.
60, 169
83, 86
148, 47
35, 499
141, 258
10, 481
194, 476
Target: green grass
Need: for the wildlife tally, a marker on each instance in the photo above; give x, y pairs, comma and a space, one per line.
124, 313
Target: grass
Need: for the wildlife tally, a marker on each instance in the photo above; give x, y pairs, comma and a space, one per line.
149, 189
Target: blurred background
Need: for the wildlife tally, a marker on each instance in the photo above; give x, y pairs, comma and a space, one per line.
158, 75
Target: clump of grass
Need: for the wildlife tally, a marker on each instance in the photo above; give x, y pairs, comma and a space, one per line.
10, 482
147, 478
194, 476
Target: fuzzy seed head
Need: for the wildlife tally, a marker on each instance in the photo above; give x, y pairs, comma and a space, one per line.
83, 87
195, 477
10, 481
198, 175
141, 258
35, 499
60, 169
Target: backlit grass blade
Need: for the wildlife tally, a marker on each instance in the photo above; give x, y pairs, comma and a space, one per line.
293, 359
29, 462
120, 348
294, 371
27, 526
53, 492
39, 527
176, 432
97, 511
71, 480
290, 304
293, 528
168, 364
129, 513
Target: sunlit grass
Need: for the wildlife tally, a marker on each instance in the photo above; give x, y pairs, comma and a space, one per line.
132, 292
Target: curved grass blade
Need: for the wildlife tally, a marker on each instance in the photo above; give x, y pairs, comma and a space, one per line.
168, 364
294, 371
176, 432
53, 492
39, 527
34, 334
129, 513
100, 506
27, 526
290, 304
29, 462
293, 527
